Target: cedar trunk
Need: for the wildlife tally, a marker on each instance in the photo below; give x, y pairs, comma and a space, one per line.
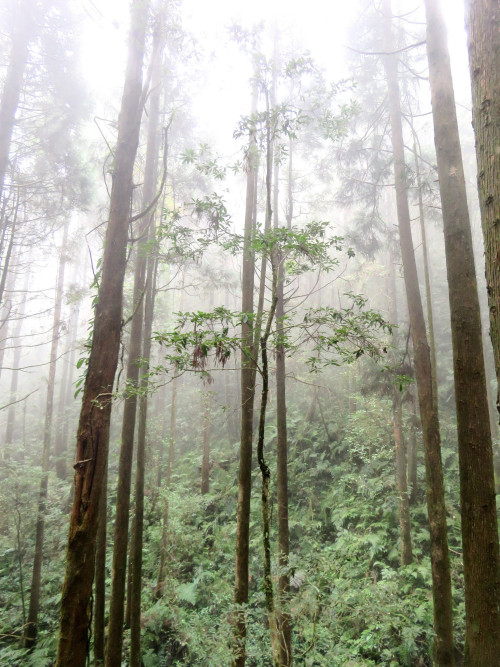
247, 406
93, 429
440, 564
477, 487
31, 628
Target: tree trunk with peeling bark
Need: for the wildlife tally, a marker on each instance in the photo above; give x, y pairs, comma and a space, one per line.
93, 429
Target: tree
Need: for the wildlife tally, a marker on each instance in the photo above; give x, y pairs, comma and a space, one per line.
93, 429
441, 578
477, 487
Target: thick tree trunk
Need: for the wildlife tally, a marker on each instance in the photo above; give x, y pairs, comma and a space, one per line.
247, 407
31, 629
441, 578
93, 430
483, 25
477, 486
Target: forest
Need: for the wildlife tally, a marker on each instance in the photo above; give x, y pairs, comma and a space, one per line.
249, 333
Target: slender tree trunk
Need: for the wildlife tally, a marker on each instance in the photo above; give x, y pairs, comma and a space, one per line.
412, 451
168, 477
441, 578
11, 415
23, 33
93, 430
205, 463
428, 293
65, 401
477, 485
247, 406
118, 577
266, 476
404, 504
100, 578
285, 635
8, 256
31, 629
399, 442
150, 181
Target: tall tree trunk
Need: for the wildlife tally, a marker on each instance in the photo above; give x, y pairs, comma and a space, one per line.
436, 509
477, 485
120, 542
427, 277
247, 404
399, 442
404, 503
205, 462
93, 430
168, 477
65, 400
412, 451
31, 629
266, 475
22, 35
150, 185
11, 415
100, 577
483, 25
285, 635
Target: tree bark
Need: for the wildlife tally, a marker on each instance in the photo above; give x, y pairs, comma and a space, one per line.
100, 577
477, 486
118, 576
93, 429
31, 629
404, 503
247, 407
441, 578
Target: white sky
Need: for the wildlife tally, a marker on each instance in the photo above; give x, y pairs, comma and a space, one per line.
320, 24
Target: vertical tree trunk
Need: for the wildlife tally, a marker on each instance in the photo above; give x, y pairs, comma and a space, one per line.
168, 477
11, 415
477, 486
65, 400
441, 578
285, 637
205, 463
404, 503
100, 577
266, 476
412, 451
31, 629
150, 185
483, 25
93, 429
428, 293
247, 406
399, 442
120, 542
23, 33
